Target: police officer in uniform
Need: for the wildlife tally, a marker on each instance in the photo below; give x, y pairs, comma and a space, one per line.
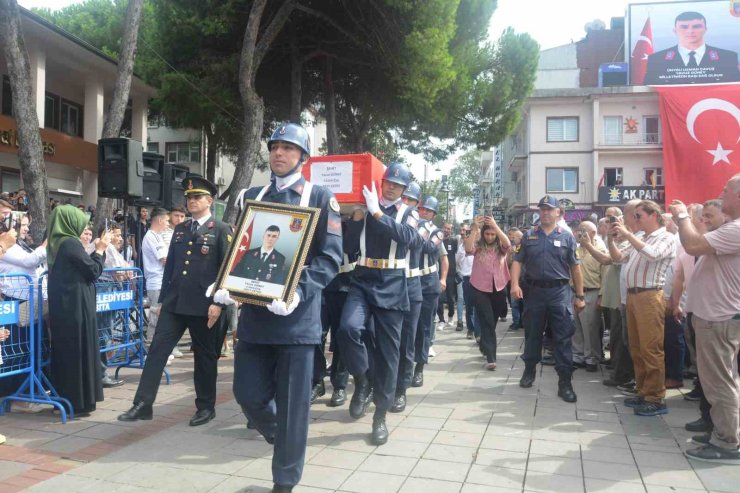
378, 292
410, 197
432, 284
548, 253
273, 361
197, 249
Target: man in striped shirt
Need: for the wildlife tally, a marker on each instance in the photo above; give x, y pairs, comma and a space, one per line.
647, 259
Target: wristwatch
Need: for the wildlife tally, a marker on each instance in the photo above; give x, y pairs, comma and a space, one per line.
580, 297
682, 215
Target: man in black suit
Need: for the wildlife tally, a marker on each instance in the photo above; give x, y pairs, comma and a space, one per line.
263, 263
691, 61
196, 251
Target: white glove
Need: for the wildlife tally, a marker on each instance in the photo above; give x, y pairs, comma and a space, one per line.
221, 296
278, 307
371, 199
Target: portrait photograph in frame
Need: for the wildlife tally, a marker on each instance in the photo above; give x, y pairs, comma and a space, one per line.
268, 251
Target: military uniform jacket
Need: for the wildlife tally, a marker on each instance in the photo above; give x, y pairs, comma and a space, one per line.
547, 257
667, 67
258, 325
414, 260
252, 266
192, 265
432, 249
385, 288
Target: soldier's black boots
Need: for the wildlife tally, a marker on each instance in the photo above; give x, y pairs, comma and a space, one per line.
418, 379
338, 398
528, 377
380, 431
358, 403
399, 403
565, 387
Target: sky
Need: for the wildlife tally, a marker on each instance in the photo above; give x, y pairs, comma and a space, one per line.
549, 23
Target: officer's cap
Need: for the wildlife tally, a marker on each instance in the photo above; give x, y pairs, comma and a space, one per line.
548, 201
197, 185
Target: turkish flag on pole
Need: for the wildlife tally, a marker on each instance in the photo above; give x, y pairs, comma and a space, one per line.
701, 131
643, 48
243, 246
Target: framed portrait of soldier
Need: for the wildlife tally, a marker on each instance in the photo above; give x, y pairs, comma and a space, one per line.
268, 252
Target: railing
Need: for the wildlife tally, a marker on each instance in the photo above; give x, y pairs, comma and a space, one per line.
631, 139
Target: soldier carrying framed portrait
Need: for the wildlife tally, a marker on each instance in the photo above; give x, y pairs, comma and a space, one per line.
268, 253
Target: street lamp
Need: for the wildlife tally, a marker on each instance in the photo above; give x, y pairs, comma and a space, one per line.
445, 189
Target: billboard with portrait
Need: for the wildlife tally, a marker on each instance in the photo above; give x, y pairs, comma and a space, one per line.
683, 42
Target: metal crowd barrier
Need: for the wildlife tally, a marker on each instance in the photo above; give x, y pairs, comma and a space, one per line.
121, 324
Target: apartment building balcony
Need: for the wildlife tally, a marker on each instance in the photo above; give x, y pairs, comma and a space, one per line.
630, 142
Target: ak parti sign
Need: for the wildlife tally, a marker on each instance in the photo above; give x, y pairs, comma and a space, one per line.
701, 140
620, 195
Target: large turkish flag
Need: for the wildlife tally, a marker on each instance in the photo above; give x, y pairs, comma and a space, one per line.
701, 135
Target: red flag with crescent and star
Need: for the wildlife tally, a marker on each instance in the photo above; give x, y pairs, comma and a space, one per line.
243, 246
643, 49
701, 135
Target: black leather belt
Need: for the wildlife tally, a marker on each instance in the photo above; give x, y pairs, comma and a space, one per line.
591, 289
642, 290
555, 283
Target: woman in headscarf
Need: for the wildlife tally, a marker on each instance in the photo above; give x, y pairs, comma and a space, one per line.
75, 350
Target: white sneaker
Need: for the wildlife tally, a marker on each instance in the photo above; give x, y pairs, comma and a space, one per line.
177, 353
432, 354
169, 359
2, 439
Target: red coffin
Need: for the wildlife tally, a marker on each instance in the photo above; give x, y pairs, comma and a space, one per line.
345, 174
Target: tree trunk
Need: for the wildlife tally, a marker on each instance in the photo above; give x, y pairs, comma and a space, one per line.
117, 108
253, 111
296, 89
330, 101
30, 152
211, 156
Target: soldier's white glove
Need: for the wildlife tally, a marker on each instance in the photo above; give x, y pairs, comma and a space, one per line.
220, 297
278, 307
371, 199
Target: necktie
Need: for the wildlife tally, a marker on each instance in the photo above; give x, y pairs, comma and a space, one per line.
194, 227
264, 256
692, 60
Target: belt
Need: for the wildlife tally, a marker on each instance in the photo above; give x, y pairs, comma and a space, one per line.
642, 290
347, 267
554, 283
591, 289
428, 270
382, 263
413, 273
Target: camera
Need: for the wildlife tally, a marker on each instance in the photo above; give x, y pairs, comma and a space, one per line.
11, 221
613, 219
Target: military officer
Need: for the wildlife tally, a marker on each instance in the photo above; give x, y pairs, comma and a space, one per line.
548, 254
263, 263
410, 197
378, 292
273, 360
432, 284
197, 248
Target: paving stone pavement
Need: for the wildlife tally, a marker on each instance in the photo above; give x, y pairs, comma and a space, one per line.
467, 430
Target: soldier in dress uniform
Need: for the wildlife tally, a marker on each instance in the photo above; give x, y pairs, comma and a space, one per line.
263, 263
548, 253
433, 283
411, 197
378, 292
273, 361
196, 251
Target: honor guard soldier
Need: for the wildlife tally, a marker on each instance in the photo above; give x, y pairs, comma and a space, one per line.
378, 294
432, 284
197, 248
411, 197
548, 254
273, 361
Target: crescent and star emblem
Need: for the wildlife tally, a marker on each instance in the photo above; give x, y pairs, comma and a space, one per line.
719, 154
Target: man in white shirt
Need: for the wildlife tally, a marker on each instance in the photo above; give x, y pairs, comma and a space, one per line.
154, 253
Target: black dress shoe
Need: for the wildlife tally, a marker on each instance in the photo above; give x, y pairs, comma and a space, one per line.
700, 425
137, 412
318, 390
418, 378
380, 431
338, 398
250, 426
528, 377
459, 327
591, 368
281, 488
399, 404
109, 382
202, 417
358, 403
578, 364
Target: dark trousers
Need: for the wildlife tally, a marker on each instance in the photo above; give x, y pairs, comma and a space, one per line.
624, 371
488, 310
332, 316
551, 306
408, 347
449, 296
424, 328
356, 314
470, 320
170, 328
319, 358
675, 348
272, 384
